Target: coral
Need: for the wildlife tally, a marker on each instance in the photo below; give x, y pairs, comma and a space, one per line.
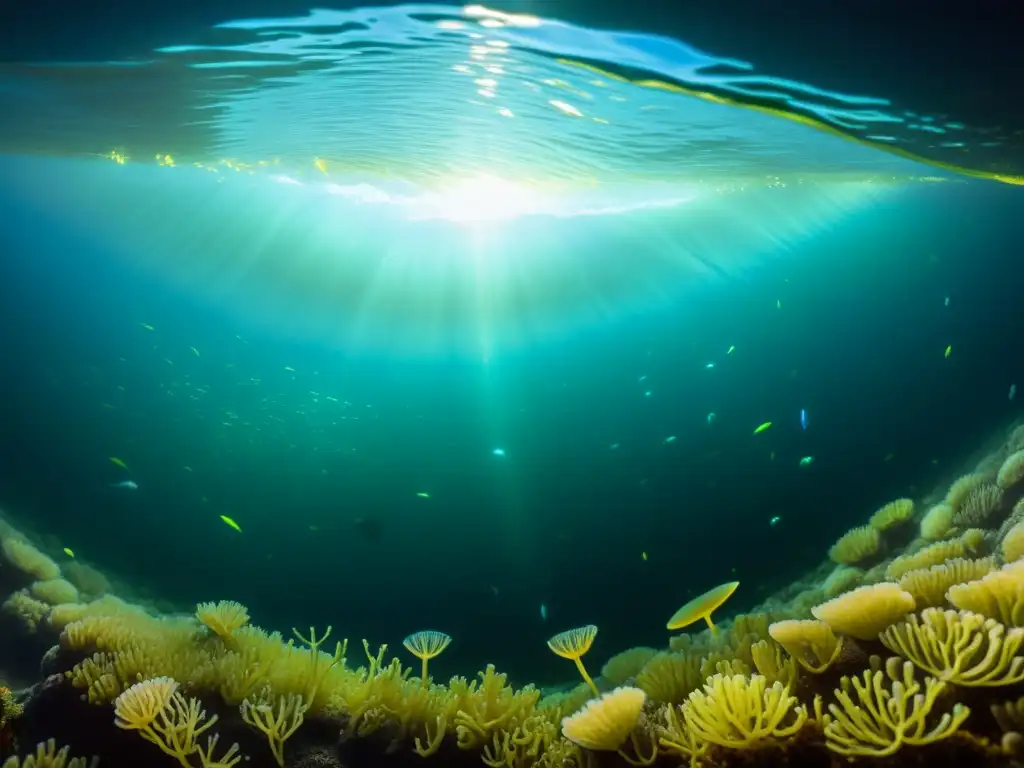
425, 645
1012, 546
605, 723
670, 677
874, 717
277, 723
811, 643
856, 545
929, 585
772, 661
739, 711
998, 595
937, 522
977, 505
959, 647
87, 579
48, 756
54, 591
165, 718
30, 560
26, 608
626, 664
961, 487
842, 579
10, 708
573, 644
1012, 471
224, 617
702, 606
892, 514
935, 554
866, 611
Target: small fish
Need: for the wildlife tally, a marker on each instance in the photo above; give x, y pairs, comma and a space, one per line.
499, 452
321, 165
1013, 392
946, 302
712, 417
613, 447
670, 439
761, 428
187, 469
771, 456
647, 393
129, 485
709, 366
643, 556
948, 350
774, 521
195, 350
642, 379
806, 461
494, 590
314, 528
68, 552
120, 463
543, 612
289, 368
147, 326
803, 419
423, 495
231, 523
732, 349
778, 304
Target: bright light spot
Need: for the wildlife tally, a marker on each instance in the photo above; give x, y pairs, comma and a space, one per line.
568, 109
484, 198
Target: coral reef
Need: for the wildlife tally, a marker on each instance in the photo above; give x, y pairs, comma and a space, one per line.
913, 657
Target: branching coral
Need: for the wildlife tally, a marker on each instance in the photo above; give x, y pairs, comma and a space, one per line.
223, 617
740, 711
48, 756
277, 723
959, 647
880, 712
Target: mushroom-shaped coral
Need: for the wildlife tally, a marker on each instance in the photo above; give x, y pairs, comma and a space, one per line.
812, 643
573, 644
892, 514
702, 606
856, 545
223, 617
866, 611
425, 645
604, 724
998, 595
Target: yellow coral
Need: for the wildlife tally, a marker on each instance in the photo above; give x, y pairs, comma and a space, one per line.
856, 545
937, 522
929, 585
48, 756
606, 723
936, 554
278, 724
55, 591
959, 647
772, 661
998, 595
866, 611
425, 645
670, 677
573, 644
964, 485
622, 666
812, 643
842, 579
977, 505
26, 608
223, 617
1012, 471
874, 716
27, 558
1012, 546
739, 711
892, 514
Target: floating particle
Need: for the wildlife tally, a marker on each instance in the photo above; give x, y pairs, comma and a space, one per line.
423, 495
670, 439
778, 304
806, 461
946, 302
647, 393
613, 447
709, 366
499, 452
712, 417
147, 326
643, 556
1013, 392
731, 349
774, 521
948, 350
543, 612
762, 427
803, 418
119, 463
195, 350
68, 552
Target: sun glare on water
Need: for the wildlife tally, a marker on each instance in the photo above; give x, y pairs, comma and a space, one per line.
478, 199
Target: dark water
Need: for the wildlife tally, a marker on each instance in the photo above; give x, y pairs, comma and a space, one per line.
235, 384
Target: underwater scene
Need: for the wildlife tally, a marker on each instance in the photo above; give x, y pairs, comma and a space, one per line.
524, 386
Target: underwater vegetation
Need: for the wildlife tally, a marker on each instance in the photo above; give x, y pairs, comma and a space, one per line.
903, 649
